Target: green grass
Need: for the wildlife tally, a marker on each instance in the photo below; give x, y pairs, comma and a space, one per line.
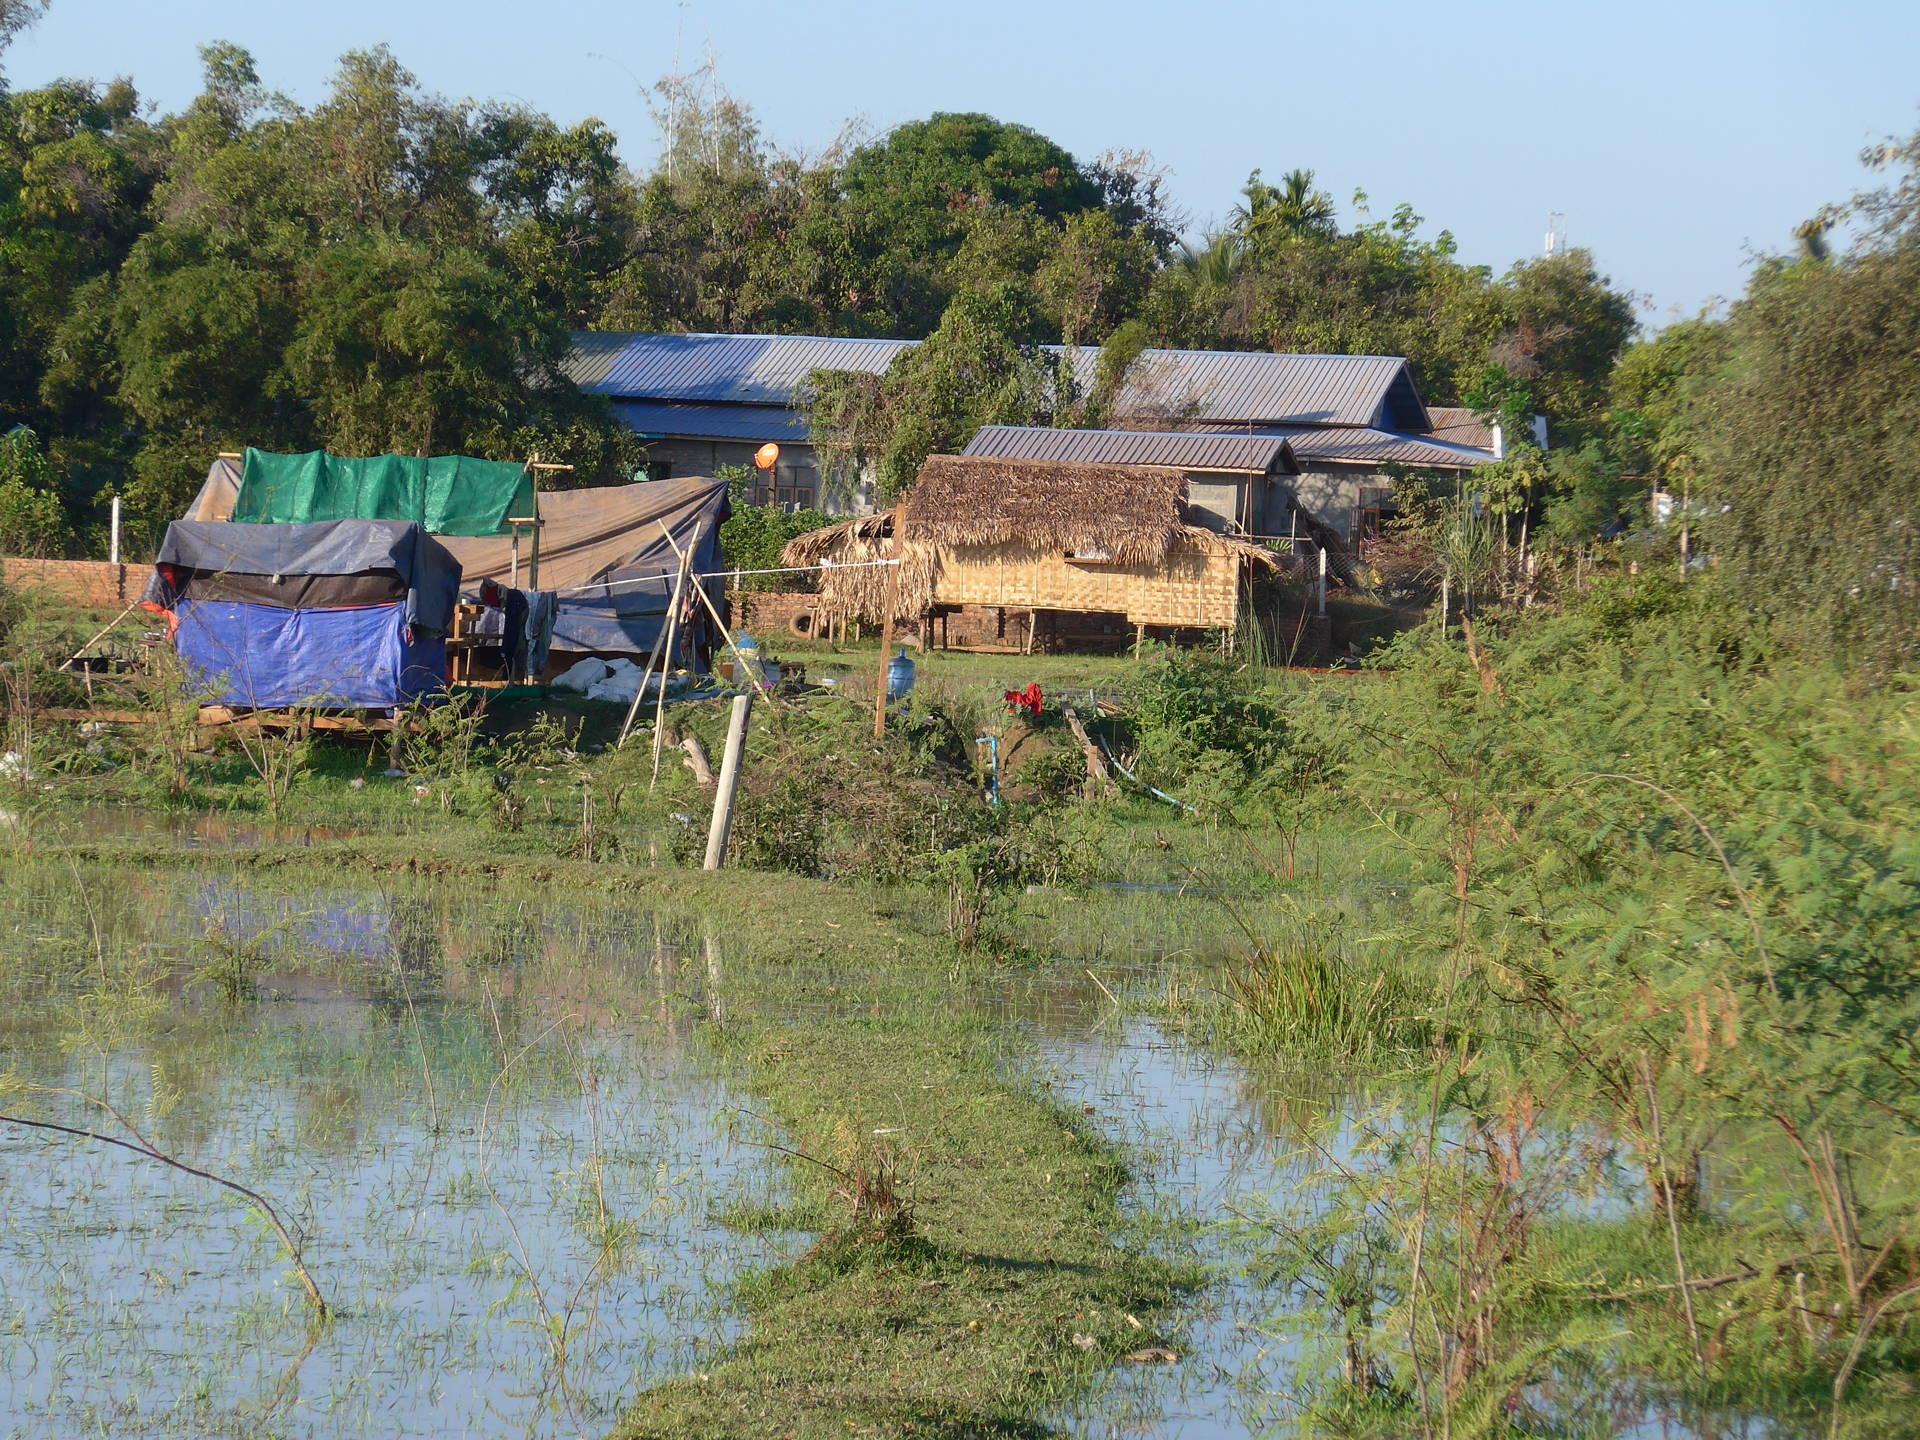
965, 1324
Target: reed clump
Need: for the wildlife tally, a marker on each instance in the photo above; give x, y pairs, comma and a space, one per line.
1303, 992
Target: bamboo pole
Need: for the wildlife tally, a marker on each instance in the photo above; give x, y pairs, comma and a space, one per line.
719, 624
886, 648
722, 824
101, 636
633, 710
666, 664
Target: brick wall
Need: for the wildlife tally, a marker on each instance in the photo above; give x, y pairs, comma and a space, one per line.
769, 613
94, 583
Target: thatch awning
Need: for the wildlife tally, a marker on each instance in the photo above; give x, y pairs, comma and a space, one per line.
859, 590
1129, 512
1263, 557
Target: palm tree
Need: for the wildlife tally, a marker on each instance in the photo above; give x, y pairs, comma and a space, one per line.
1218, 262
1291, 208
1302, 208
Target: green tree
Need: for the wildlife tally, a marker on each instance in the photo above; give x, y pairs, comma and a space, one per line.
1271, 214
1808, 439
32, 520
1651, 390
1565, 326
400, 347
975, 369
911, 200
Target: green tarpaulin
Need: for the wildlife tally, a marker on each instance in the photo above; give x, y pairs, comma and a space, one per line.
446, 494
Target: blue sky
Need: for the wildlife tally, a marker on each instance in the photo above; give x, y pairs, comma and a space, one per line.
1678, 138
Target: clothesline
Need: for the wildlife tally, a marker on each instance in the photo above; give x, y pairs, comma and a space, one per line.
720, 574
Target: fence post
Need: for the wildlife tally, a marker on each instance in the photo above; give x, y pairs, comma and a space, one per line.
113, 544
722, 825
1323, 580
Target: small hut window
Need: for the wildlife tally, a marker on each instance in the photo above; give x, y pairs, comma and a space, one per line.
1090, 555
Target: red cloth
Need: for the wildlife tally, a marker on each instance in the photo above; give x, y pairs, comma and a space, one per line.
1029, 700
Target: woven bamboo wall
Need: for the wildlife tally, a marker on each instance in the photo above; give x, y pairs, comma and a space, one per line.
1190, 587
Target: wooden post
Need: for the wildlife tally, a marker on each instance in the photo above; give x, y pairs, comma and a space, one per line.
697, 760
1139, 637
1686, 538
666, 664
1097, 776
722, 824
886, 646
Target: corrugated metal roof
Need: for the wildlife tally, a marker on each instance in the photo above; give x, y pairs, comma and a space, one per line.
1260, 387
1172, 386
1359, 444
736, 369
1458, 425
1180, 450
756, 423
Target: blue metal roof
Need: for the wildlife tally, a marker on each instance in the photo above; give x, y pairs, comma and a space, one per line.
1177, 449
755, 423
1165, 387
729, 369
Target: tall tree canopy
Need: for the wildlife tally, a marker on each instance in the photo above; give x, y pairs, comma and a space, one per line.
1806, 434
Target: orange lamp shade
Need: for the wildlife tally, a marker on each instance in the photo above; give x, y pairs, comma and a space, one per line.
767, 456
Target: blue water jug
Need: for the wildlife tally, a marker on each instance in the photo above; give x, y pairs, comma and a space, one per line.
748, 651
899, 675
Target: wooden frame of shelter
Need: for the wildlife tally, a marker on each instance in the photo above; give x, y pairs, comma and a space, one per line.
1039, 536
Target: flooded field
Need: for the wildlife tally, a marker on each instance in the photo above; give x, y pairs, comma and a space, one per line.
512, 1192
499, 1129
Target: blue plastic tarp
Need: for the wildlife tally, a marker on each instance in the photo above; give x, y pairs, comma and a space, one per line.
606, 620
266, 657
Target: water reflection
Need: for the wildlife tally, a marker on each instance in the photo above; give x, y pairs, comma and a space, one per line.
510, 1167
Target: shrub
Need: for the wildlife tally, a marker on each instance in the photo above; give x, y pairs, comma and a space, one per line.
754, 536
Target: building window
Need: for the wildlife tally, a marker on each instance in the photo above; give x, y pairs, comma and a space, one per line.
1375, 509
659, 469
786, 488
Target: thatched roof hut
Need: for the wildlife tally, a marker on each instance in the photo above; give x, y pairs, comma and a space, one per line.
1036, 535
1127, 513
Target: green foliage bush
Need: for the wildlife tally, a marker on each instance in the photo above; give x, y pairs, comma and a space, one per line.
753, 537
1666, 901
32, 521
1206, 730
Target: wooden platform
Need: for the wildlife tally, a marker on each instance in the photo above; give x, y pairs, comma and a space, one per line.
225, 717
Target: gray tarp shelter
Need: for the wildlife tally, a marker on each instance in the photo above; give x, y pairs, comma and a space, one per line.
271, 564
603, 554
346, 613
600, 549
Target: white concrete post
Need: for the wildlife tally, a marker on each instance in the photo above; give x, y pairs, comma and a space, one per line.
1323, 580
113, 544
722, 825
